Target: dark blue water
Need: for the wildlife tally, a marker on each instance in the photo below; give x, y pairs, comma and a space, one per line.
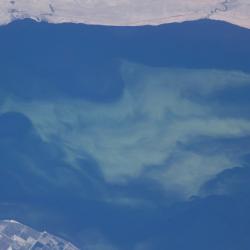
46, 62
82, 54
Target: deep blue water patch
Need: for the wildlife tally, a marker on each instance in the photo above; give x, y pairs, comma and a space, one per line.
83, 61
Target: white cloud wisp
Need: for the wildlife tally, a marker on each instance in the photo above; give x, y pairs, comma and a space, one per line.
145, 128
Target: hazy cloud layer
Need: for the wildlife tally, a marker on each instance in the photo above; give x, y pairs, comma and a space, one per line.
126, 12
147, 131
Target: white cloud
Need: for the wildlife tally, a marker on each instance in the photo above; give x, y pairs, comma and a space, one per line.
145, 126
189, 171
126, 12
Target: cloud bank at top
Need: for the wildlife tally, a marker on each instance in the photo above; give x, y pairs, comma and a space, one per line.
126, 12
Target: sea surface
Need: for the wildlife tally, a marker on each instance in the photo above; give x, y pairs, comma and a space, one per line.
127, 138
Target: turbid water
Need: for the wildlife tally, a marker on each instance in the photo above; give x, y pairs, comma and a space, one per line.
127, 137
